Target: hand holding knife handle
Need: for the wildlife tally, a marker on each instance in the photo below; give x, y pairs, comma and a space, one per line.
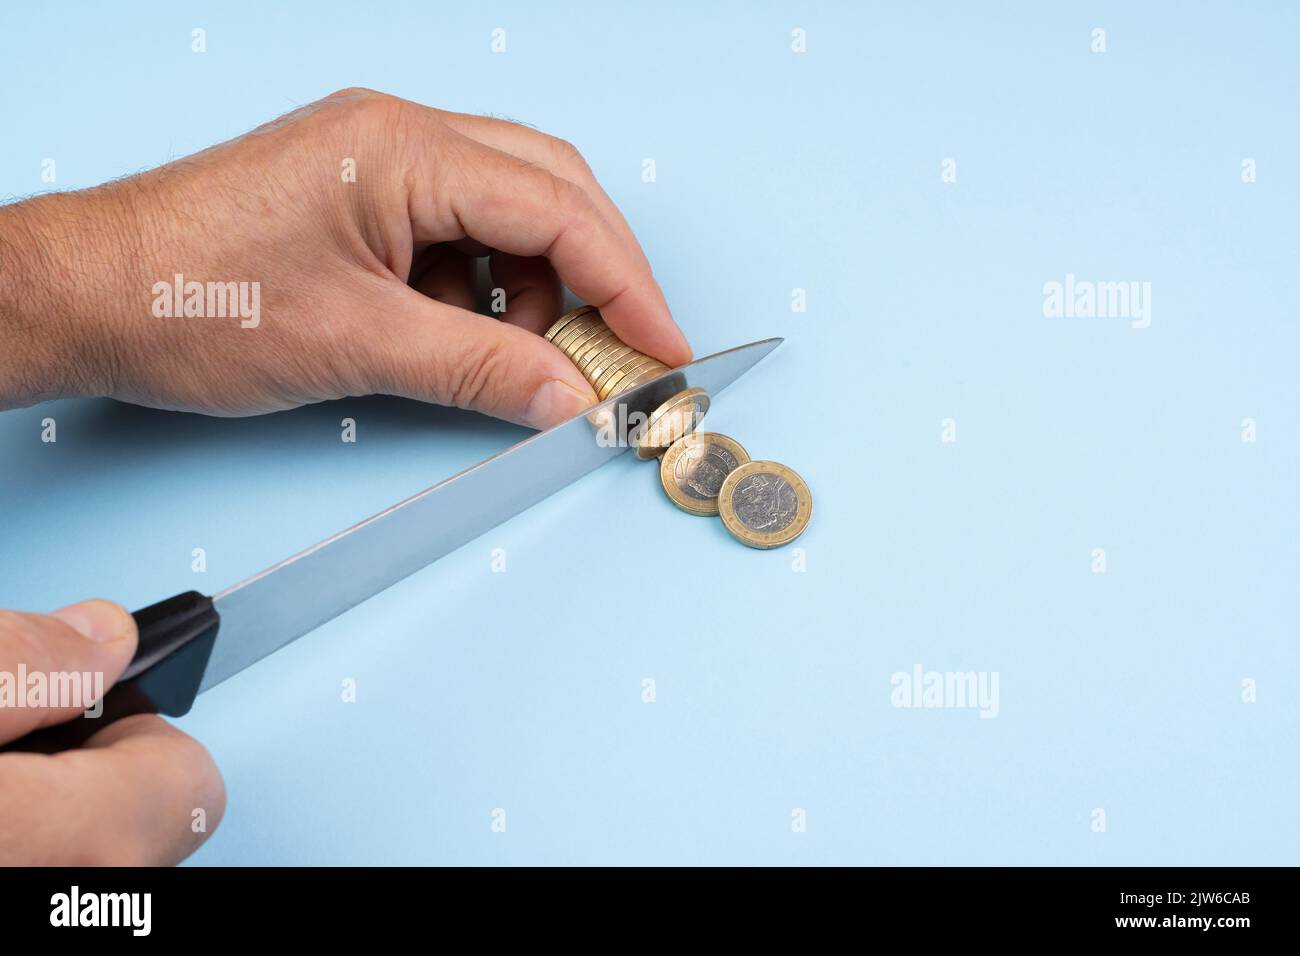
176, 639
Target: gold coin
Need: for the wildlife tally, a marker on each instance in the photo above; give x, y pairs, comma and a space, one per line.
589, 346
693, 469
670, 421
618, 368
565, 319
611, 383
572, 338
555, 335
593, 356
575, 329
607, 362
764, 504
641, 376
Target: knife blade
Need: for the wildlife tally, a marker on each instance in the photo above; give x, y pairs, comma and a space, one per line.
190, 643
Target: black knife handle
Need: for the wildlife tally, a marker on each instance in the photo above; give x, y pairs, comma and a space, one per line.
176, 638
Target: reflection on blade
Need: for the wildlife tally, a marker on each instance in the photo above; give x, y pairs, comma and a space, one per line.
267, 611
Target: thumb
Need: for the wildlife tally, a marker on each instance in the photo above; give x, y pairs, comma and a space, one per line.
52, 666
440, 353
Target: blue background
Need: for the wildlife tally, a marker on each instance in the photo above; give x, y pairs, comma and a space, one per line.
776, 170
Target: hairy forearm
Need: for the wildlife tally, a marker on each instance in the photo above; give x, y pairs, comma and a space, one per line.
66, 278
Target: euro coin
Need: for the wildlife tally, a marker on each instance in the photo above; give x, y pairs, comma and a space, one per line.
693, 469
642, 375
764, 504
606, 364
567, 318
676, 417
616, 370
626, 369
572, 337
599, 349
584, 339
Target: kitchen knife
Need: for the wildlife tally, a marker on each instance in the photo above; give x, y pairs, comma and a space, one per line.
191, 642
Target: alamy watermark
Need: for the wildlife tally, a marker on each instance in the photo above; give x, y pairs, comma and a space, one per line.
952, 690
1085, 299
208, 300
40, 690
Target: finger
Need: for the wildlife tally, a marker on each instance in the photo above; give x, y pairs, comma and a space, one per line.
53, 666
517, 207
553, 154
435, 352
445, 274
139, 793
471, 247
532, 291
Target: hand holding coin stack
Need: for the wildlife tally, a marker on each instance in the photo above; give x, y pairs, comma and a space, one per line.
762, 503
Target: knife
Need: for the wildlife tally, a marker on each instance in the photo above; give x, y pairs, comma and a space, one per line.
191, 642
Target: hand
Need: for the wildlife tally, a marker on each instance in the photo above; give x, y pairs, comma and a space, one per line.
131, 795
326, 256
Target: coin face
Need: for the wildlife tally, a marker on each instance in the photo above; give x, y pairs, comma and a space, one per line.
693, 469
676, 417
764, 504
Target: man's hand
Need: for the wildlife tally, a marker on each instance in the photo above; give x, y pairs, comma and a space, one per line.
130, 795
358, 218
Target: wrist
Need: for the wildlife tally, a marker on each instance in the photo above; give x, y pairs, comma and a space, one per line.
64, 287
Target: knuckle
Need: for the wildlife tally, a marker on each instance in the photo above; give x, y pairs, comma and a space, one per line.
355, 94
24, 641
568, 195
366, 106
568, 157
473, 380
573, 208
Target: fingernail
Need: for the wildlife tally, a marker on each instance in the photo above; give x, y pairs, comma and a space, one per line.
96, 620
554, 402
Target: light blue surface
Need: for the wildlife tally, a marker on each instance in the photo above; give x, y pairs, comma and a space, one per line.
776, 170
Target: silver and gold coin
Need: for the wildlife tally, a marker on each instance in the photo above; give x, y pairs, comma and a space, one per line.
694, 467
764, 504
678, 416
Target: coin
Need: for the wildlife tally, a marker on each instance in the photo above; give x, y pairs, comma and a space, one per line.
570, 338
590, 348
642, 375
594, 357
764, 504
626, 369
573, 343
619, 370
670, 421
608, 363
565, 319
694, 467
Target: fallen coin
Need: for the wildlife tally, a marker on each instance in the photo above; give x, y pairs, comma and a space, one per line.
695, 466
764, 504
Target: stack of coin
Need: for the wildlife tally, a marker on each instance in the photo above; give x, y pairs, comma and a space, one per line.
609, 365
762, 503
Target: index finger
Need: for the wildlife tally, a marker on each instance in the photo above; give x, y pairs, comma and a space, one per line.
520, 208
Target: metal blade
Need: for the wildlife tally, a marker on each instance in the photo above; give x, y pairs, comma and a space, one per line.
267, 611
